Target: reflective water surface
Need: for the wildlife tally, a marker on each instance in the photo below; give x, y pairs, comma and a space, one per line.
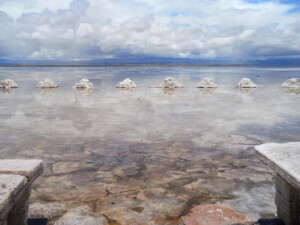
148, 156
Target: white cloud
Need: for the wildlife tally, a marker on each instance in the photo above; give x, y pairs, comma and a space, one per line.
4, 17
170, 28
46, 53
84, 30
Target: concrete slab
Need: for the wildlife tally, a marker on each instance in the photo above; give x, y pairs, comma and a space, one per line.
30, 168
11, 187
284, 159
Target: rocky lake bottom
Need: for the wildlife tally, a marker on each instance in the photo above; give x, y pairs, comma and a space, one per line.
147, 156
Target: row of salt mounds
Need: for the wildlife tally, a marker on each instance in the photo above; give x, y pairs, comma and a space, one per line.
6, 84
207, 83
169, 82
83, 84
127, 83
47, 83
291, 83
246, 83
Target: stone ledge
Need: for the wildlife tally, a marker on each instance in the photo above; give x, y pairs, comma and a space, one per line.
283, 159
11, 188
30, 168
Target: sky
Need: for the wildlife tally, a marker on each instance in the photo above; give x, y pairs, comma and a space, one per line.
106, 29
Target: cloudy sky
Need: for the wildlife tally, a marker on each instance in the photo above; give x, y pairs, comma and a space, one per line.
90, 29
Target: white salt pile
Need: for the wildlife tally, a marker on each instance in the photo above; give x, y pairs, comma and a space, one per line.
169, 82
127, 83
46, 84
207, 83
246, 83
83, 84
291, 83
8, 84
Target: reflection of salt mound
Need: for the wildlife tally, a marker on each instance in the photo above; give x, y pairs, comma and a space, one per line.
127, 91
83, 84
292, 91
246, 91
46, 91
127, 83
169, 91
8, 83
7, 90
84, 91
291, 83
169, 82
246, 83
207, 91
207, 83
46, 84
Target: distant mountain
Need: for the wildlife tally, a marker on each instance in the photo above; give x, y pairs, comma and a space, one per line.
158, 61
3, 61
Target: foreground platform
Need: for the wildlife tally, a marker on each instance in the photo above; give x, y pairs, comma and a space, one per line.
16, 177
284, 159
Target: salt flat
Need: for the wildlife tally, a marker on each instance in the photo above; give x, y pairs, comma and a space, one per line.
148, 154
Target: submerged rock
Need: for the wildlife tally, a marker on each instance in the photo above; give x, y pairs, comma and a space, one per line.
169, 82
291, 83
46, 210
256, 203
47, 83
83, 84
246, 83
127, 83
207, 83
8, 83
215, 215
81, 215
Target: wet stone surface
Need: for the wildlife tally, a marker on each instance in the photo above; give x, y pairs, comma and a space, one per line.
147, 157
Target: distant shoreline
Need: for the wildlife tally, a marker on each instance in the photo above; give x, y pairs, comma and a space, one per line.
150, 65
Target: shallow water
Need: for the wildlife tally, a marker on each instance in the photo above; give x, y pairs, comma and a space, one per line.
148, 156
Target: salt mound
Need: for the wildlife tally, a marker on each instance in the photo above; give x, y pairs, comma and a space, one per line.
291, 83
246, 83
127, 83
207, 83
46, 84
8, 84
84, 84
169, 82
